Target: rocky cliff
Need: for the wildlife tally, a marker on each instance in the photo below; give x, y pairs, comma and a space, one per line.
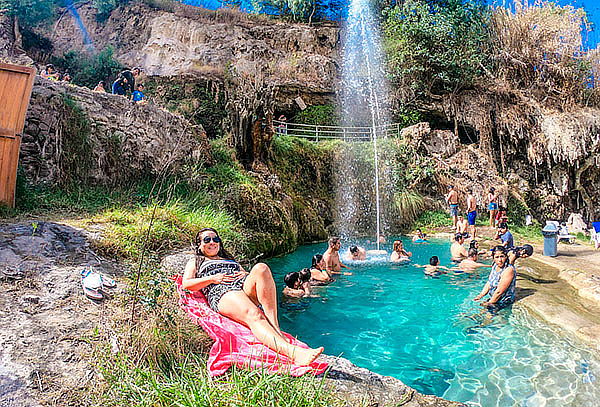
75, 135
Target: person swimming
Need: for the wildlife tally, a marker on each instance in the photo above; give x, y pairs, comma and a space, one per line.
470, 263
419, 237
318, 272
433, 268
399, 254
357, 253
297, 283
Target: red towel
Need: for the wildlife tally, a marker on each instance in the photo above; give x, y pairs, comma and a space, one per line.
235, 343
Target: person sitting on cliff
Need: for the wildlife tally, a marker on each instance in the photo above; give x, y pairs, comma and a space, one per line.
333, 264
138, 96
457, 250
237, 294
357, 253
501, 284
120, 86
461, 226
100, 87
399, 254
471, 263
318, 271
50, 73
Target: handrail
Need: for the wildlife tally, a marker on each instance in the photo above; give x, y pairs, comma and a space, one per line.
316, 132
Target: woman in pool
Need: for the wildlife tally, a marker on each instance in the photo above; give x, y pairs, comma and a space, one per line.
297, 283
237, 294
399, 254
419, 237
318, 271
501, 284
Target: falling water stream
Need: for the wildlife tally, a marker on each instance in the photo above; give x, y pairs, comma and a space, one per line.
364, 91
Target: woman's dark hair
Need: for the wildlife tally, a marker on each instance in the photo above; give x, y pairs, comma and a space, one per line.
528, 249
492, 190
316, 259
499, 249
353, 249
434, 260
304, 275
290, 279
200, 257
473, 244
50, 66
472, 252
102, 83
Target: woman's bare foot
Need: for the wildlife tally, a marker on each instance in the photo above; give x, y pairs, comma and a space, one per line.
305, 357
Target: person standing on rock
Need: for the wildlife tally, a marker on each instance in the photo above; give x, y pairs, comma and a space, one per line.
333, 264
452, 199
471, 212
492, 205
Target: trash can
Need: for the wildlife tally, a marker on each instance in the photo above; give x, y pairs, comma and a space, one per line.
550, 233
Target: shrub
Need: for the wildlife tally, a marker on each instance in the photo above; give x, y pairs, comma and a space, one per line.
89, 69
31, 12
435, 46
321, 115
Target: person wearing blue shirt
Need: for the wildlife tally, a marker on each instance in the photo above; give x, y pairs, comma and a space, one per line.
505, 236
138, 95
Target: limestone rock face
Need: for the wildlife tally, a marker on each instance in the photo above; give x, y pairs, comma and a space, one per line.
74, 133
192, 41
441, 142
10, 42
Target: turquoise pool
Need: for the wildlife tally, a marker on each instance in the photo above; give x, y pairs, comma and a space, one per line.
429, 333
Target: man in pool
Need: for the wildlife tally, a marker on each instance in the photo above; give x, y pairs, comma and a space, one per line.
470, 263
457, 250
357, 253
452, 199
333, 264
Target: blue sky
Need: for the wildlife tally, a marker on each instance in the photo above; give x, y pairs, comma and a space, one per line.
592, 8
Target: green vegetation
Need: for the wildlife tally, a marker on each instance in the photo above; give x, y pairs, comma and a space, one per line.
76, 152
320, 115
433, 219
88, 69
31, 12
436, 47
202, 103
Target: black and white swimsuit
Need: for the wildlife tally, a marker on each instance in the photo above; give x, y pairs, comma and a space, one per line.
214, 292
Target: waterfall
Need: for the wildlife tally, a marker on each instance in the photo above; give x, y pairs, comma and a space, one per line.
364, 99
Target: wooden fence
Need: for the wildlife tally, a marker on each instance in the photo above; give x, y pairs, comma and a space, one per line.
15, 90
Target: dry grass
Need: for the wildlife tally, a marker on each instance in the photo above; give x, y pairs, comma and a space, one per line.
539, 48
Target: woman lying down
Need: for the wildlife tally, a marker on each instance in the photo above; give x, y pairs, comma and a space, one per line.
237, 294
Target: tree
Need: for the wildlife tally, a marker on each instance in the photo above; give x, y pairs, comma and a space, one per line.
30, 12
436, 46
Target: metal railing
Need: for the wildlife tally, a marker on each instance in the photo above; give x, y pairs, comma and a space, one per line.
317, 132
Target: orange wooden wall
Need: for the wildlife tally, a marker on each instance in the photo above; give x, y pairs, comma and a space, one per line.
15, 90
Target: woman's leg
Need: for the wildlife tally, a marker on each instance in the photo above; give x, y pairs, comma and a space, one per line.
260, 288
237, 306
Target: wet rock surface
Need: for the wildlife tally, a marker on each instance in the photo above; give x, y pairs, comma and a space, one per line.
45, 317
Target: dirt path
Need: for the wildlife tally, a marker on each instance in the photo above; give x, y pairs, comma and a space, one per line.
45, 318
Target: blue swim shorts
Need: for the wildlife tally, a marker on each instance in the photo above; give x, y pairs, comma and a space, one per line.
493, 206
471, 216
453, 209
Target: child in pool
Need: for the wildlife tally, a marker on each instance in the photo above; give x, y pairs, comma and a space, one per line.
434, 268
419, 237
296, 283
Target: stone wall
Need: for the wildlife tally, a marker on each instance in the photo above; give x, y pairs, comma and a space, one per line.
74, 134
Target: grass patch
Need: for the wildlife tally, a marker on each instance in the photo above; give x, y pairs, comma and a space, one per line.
433, 219
532, 233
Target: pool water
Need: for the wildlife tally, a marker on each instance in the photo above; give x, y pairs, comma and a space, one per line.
429, 333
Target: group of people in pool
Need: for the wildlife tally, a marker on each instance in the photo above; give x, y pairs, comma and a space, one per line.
250, 298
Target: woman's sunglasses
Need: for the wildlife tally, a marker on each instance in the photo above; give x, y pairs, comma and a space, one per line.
215, 239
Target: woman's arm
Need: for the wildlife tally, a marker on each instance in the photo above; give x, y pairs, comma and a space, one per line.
189, 282
486, 289
505, 281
